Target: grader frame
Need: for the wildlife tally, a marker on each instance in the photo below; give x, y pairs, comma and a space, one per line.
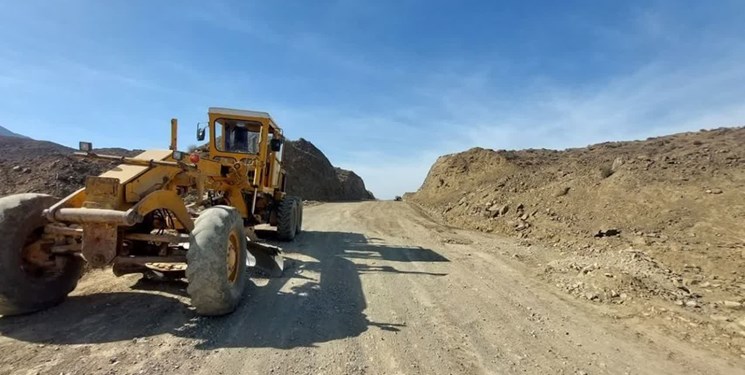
135, 217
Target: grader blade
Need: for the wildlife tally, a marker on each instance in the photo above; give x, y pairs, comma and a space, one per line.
268, 258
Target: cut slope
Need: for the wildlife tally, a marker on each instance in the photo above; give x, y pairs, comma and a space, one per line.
30, 166
679, 200
311, 176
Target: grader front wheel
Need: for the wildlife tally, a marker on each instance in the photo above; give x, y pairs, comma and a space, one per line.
31, 278
216, 261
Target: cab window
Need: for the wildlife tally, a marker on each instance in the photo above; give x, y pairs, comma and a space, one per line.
237, 136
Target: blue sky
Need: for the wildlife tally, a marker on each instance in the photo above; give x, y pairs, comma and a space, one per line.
382, 87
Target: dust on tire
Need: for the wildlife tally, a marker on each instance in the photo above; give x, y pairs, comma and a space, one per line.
21, 290
211, 291
287, 219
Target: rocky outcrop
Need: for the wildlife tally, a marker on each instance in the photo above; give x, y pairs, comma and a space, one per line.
30, 166
352, 185
311, 176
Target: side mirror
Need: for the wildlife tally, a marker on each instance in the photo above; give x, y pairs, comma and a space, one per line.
200, 133
275, 145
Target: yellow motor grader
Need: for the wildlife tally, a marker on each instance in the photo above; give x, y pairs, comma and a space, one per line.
167, 212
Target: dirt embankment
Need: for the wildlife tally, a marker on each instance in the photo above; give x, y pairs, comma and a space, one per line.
30, 166
312, 176
660, 219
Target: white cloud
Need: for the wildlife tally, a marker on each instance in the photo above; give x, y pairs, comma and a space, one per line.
663, 97
692, 79
657, 99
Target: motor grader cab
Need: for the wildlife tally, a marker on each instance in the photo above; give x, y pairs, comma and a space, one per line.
250, 138
135, 218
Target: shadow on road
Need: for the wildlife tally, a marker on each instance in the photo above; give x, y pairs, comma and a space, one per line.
318, 299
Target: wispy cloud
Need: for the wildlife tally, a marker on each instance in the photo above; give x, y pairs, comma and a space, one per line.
393, 150
308, 44
384, 108
658, 98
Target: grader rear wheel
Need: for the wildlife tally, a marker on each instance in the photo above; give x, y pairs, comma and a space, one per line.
31, 278
216, 259
287, 219
299, 216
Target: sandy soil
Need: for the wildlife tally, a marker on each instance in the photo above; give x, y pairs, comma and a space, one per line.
373, 287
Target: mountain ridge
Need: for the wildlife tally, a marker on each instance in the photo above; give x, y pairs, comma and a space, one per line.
5, 132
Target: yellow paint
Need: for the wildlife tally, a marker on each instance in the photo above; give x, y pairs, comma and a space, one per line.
102, 192
144, 187
148, 181
125, 173
174, 135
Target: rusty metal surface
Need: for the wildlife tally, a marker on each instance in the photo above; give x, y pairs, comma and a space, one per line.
163, 271
37, 254
75, 199
251, 233
168, 238
67, 249
144, 260
59, 230
99, 243
97, 215
268, 258
166, 267
169, 200
102, 192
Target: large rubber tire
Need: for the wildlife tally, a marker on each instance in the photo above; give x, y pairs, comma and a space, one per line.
287, 219
21, 290
299, 215
210, 287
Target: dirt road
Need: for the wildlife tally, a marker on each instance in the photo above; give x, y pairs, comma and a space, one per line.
371, 287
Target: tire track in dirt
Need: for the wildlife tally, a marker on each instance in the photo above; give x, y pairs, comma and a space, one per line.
373, 288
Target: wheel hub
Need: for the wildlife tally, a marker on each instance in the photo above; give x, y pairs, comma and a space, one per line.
36, 259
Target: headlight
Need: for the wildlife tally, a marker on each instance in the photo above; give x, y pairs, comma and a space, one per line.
85, 146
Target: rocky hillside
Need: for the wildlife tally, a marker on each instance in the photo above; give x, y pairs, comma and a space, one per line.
312, 176
28, 165
33, 166
7, 133
664, 217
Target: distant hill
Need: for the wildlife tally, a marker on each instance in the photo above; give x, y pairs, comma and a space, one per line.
311, 176
30, 166
7, 133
